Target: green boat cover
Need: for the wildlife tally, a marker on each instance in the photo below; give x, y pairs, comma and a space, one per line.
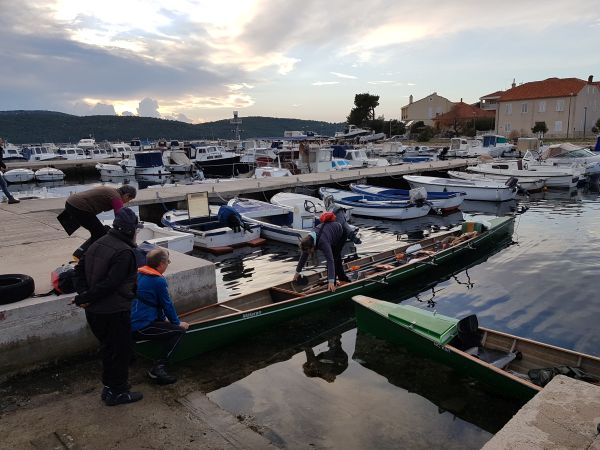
435, 327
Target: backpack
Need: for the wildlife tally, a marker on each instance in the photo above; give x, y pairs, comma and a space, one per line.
63, 279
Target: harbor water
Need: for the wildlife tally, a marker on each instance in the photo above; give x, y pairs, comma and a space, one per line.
318, 382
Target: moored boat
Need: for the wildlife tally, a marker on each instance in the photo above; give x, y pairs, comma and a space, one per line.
49, 174
151, 233
19, 175
443, 201
375, 206
529, 184
221, 323
512, 365
476, 190
563, 177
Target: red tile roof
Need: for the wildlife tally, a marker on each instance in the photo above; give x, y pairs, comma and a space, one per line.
552, 87
462, 111
493, 95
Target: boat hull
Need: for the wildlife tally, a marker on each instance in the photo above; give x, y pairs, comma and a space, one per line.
445, 202
473, 192
215, 332
223, 167
19, 176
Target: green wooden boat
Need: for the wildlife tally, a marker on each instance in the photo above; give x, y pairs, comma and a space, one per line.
500, 360
221, 323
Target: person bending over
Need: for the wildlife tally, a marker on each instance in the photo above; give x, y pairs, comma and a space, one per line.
153, 316
329, 237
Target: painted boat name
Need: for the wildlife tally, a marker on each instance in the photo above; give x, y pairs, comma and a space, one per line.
251, 314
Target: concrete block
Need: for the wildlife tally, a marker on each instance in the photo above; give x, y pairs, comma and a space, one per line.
563, 416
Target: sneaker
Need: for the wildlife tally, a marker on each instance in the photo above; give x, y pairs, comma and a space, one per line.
12, 201
105, 393
160, 375
122, 398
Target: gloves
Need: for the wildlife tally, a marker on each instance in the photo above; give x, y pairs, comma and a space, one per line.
81, 299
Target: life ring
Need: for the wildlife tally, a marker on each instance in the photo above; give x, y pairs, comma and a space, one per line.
15, 287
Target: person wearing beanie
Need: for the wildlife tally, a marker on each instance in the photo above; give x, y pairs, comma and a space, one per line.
82, 208
153, 315
105, 283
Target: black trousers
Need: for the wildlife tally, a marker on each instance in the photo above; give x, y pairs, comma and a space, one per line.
114, 333
166, 332
90, 222
337, 258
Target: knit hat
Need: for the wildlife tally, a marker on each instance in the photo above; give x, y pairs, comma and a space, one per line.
126, 222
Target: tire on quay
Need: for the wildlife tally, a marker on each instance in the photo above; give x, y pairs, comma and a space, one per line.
15, 287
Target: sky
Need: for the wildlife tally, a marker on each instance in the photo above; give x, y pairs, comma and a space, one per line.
198, 61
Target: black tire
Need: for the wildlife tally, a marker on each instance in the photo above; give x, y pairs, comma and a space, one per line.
15, 287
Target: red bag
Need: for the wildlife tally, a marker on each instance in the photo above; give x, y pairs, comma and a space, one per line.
327, 216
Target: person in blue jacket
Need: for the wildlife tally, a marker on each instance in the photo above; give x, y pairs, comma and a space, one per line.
230, 217
153, 315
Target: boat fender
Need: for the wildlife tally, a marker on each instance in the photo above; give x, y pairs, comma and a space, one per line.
15, 287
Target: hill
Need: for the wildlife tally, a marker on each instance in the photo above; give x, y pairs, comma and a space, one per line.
21, 127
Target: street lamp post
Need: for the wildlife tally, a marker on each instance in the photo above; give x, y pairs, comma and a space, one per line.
584, 119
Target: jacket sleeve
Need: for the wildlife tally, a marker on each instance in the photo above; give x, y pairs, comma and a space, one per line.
301, 262
166, 303
121, 268
325, 247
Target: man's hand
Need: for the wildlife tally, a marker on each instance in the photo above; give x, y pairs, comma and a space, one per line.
80, 301
331, 286
296, 277
184, 325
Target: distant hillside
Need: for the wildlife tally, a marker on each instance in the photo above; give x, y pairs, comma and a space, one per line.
47, 126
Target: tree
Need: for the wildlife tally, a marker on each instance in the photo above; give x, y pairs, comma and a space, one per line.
364, 109
540, 128
596, 128
425, 133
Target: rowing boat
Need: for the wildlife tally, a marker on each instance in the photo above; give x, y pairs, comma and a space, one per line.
507, 363
221, 323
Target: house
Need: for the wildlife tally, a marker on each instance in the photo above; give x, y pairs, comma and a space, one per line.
425, 109
490, 102
462, 114
569, 106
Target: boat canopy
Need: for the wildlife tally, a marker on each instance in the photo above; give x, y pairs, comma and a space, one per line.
562, 150
493, 140
435, 327
148, 159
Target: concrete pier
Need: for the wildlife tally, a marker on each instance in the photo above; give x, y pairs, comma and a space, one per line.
42, 329
563, 416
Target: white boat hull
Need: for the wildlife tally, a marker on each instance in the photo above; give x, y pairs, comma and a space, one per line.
177, 241
153, 171
49, 174
525, 183
552, 178
474, 190
114, 170
19, 176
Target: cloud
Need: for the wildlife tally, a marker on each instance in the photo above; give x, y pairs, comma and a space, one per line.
341, 75
90, 107
380, 82
325, 83
103, 110
127, 114
148, 108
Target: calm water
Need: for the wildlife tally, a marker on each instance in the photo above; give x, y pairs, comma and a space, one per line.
316, 382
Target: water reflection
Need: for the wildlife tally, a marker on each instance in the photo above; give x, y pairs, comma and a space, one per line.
327, 364
451, 392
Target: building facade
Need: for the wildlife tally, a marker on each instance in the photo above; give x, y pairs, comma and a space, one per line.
426, 109
569, 106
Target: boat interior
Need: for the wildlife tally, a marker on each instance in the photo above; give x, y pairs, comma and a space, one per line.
528, 360
358, 269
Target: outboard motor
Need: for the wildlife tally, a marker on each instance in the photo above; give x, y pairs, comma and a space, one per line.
418, 196
512, 182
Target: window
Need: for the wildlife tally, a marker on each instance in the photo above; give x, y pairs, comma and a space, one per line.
558, 125
509, 108
560, 105
507, 127
542, 106
523, 108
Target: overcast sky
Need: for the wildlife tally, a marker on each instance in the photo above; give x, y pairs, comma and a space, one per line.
199, 60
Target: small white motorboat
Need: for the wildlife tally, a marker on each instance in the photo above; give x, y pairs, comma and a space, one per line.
19, 175
122, 169
374, 206
271, 172
278, 223
563, 177
210, 233
492, 191
151, 233
49, 174
529, 184
442, 201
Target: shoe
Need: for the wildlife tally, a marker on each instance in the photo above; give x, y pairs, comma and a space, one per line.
12, 201
122, 398
160, 375
106, 392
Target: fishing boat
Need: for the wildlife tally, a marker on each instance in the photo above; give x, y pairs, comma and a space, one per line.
529, 184
375, 206
218, 324
49, 174
492, 191
19, 175
442, 201
278, 223
507, 363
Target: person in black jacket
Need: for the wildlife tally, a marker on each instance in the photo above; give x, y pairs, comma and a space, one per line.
3, 184
106, 277
329, 237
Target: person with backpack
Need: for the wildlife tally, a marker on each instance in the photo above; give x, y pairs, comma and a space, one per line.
153, 316
105, 283
329, 237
